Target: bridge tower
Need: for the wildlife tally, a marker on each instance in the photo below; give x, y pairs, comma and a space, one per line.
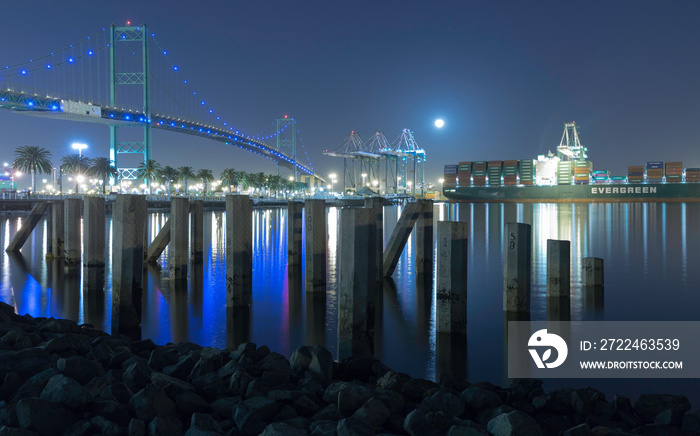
119, 37
286, 141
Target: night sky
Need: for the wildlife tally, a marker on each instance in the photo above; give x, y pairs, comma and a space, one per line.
505, 76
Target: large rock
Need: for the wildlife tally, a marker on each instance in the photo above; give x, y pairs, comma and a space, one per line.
239, 383
254, 414
321, 362
106, 427
112, 411
25, 363
43, 416
52, 325
80, 369
476, 398
150, 402
65, 390
137, 375
189, 402
165, 425
416, 424
416, 388
353, 427
281, 429
446, 402
210, 361
171, 385
351, 397
515, 423
393, 381
373, 412
301, 358
648, 406
35, 384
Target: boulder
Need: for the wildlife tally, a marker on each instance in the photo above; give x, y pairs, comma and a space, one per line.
515, 423
80, 369
353, 427
44, 416
392, 381
648, 406
65, 390
446, 402
254, 414
165, 425
150, 402
416, 424
476, 398
281, 429
351, 397
373, 412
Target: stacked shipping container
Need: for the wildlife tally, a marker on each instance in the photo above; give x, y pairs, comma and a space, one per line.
655, 171
450, 176
564, 170
510, 172
692, 174
479, 173
635, 174
582, 172
464, 174
601, 176
527, 172
674, 172
495, 169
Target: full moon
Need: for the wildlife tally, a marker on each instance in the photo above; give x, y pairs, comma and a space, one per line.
439, 123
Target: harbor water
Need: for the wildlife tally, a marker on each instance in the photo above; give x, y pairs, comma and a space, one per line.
650, 252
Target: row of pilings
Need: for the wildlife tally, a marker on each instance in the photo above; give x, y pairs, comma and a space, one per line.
364, 262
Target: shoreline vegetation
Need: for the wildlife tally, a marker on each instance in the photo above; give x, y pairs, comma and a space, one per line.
61, 378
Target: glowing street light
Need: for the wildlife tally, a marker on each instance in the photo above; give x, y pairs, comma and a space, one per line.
441, 182
80, 147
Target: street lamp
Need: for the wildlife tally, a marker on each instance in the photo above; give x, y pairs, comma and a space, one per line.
364, 176
441, 182
80, 147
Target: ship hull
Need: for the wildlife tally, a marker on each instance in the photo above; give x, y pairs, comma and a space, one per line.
594, 193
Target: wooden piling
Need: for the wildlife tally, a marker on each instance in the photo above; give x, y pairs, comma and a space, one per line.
27, 227
558, 269
517, 267
197, 230
179, 237
129, 225
73, 242
239, 250
451, 309
356, 282
424, 239
315, 216
94, 231
399, 237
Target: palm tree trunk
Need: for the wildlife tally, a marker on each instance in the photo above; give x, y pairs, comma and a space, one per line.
33, 181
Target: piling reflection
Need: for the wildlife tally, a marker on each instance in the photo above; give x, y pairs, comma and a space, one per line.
94, 295
316, 318
451, 351
593, 298
558, 308
519, 335
178, 310
237, 326
196, 286
295, 306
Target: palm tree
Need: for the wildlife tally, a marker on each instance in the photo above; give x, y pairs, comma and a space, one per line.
275, 182
34, 160
229, 177
169, 175
149, 170
75, 165
259, 180
186, 173
102, 167
206, 176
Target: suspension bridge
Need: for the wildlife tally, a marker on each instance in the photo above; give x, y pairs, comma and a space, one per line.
123, 78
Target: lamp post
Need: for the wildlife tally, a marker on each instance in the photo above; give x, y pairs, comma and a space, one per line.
80, 147
441, 182
333, 178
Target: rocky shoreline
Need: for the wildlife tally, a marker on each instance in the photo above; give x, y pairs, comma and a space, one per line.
59, 378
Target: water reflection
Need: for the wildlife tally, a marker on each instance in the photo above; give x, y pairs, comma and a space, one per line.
647, 248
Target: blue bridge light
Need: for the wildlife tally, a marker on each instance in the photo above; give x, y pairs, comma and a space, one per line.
71, 60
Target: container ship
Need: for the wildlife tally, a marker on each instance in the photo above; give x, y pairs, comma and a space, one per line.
568, 177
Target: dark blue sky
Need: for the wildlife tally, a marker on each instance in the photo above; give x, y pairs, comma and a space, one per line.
505, 76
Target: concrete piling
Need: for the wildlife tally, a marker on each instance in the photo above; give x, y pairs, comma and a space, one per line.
94, 231
57, 229
558, 269
73, 242
424, 239
517, 267
592, 271
129, 224
197, 230
28, 226
159, 243
377, 204
239, 250
399, 237
315, 216
451, 310
356, 283
49, 234
294, 233
179, 237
